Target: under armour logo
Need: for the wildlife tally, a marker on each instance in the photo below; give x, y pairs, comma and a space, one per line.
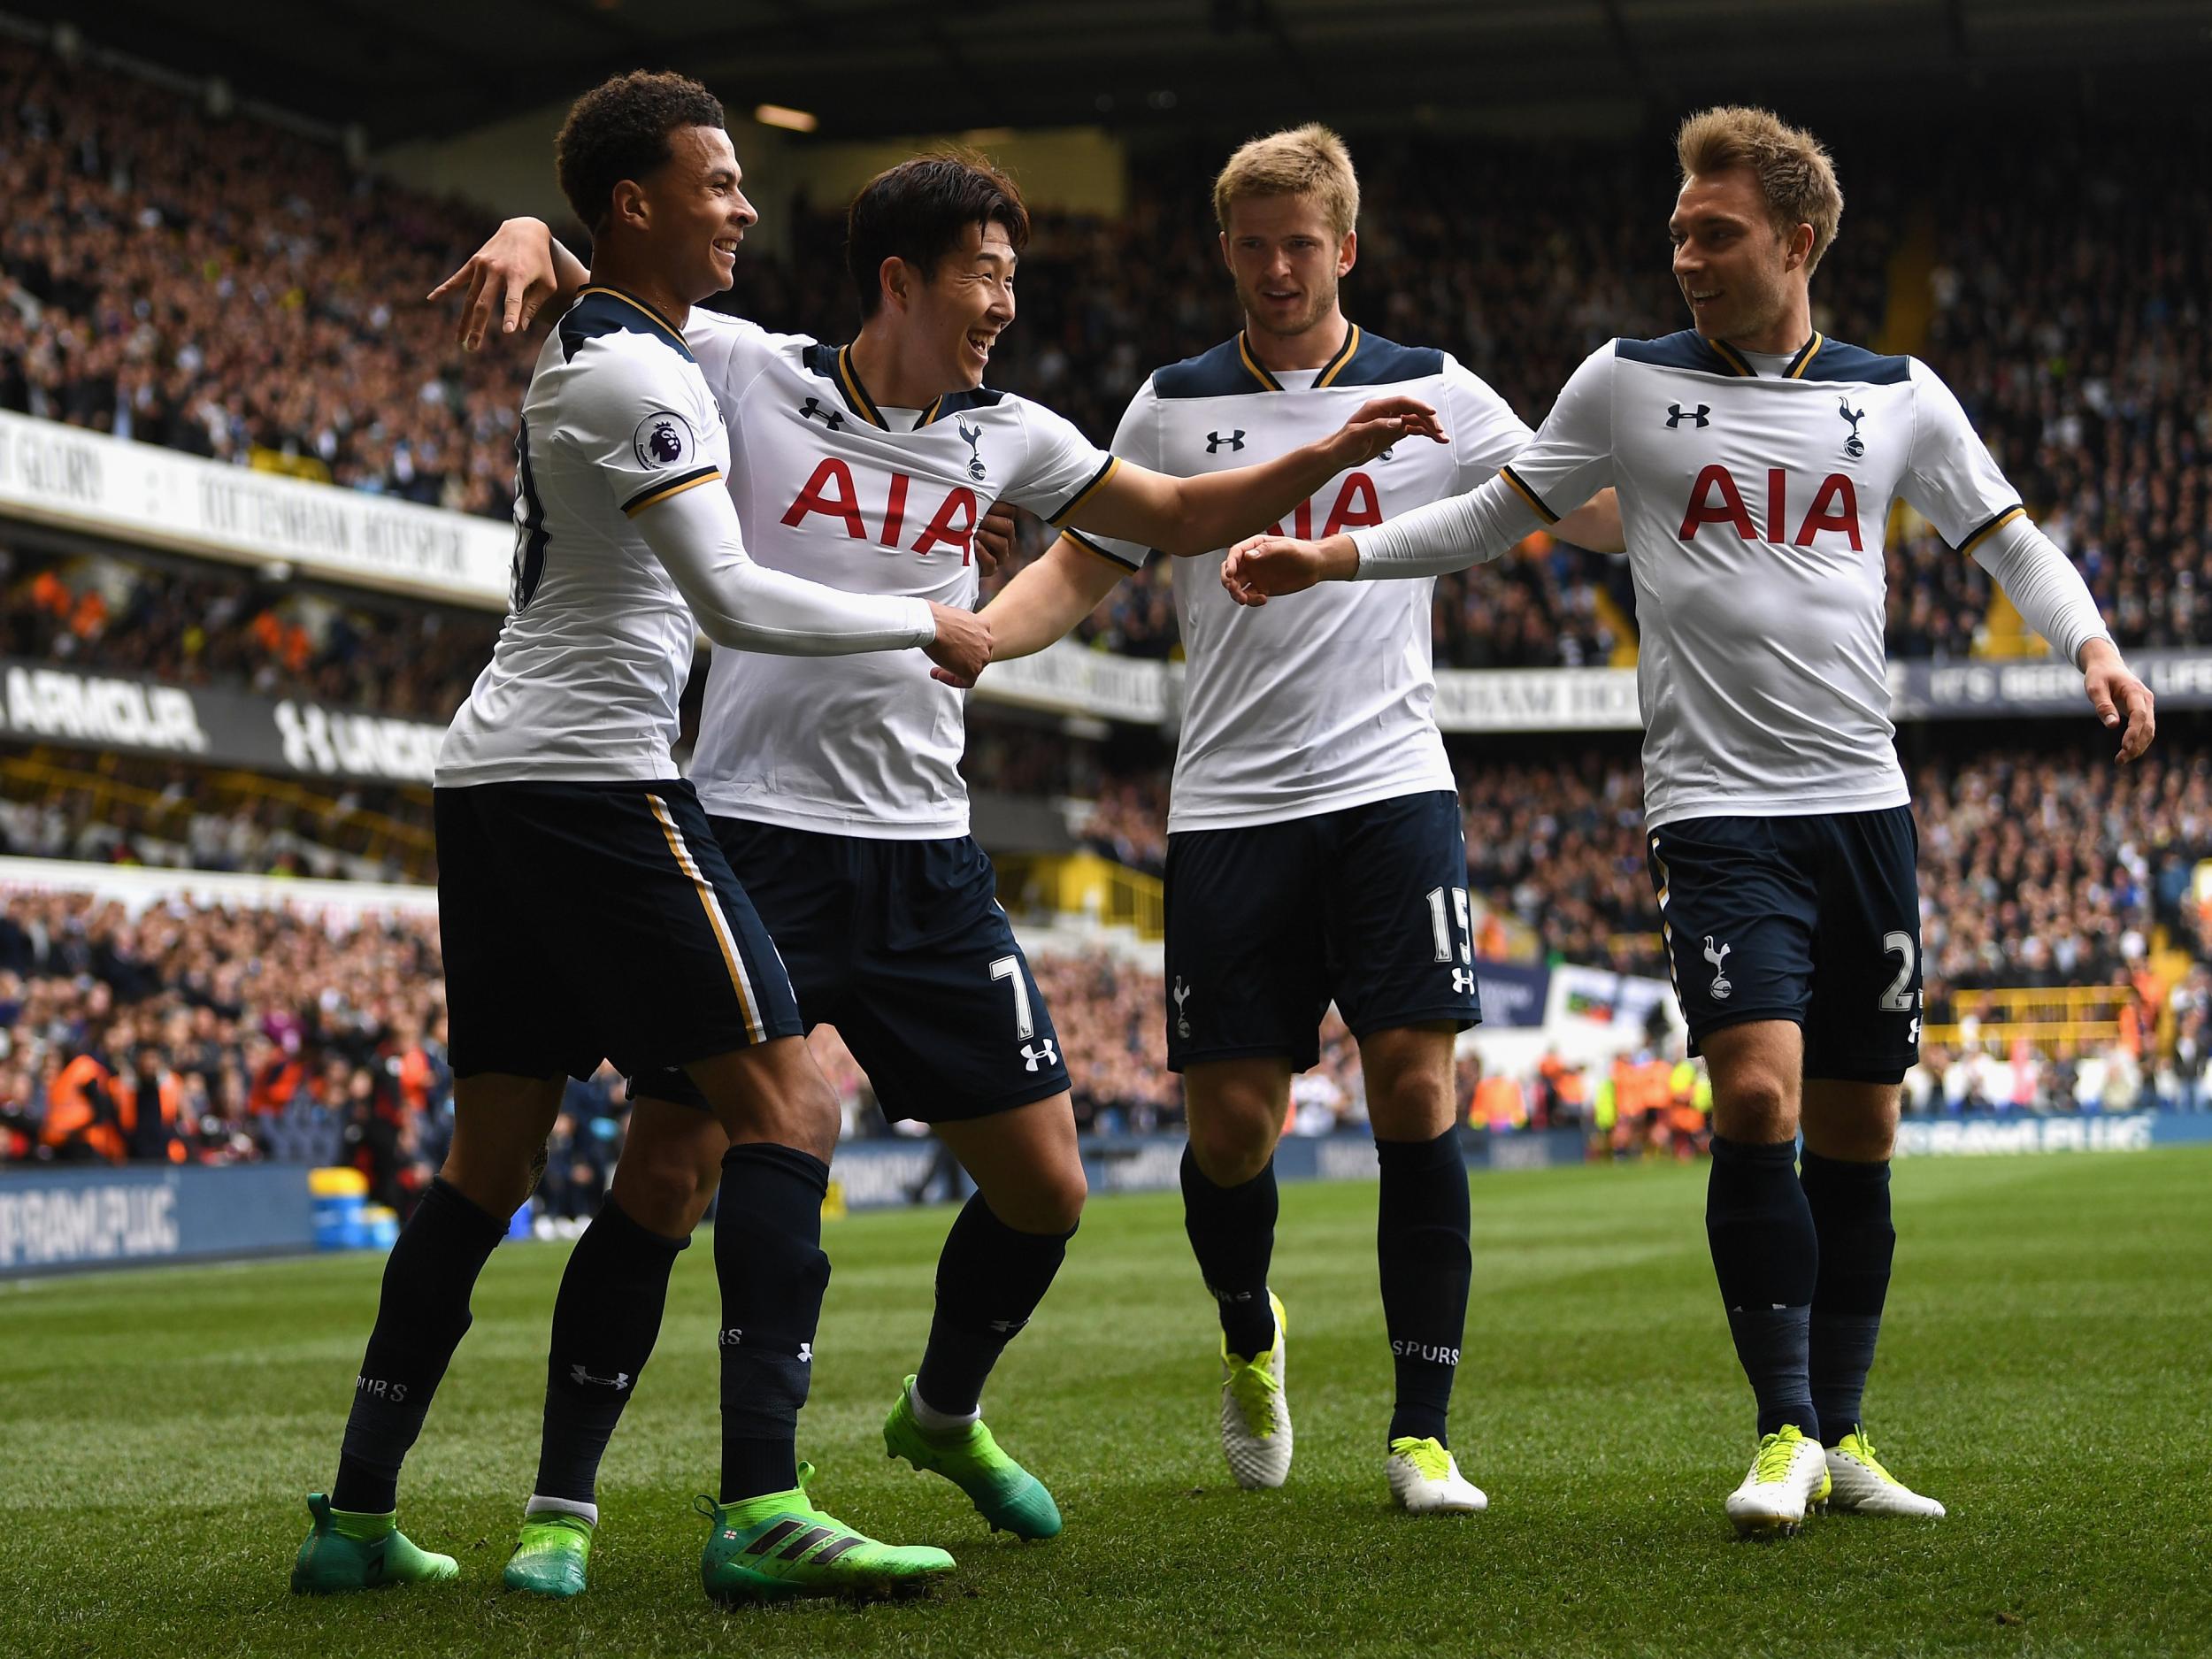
1853, 446
583, 1378
806, 1353
975, 461
1045, 1055
1235, 440
1720, 987
1462, 981
1677, 414
1914, 1038
1182, 1019
830, 418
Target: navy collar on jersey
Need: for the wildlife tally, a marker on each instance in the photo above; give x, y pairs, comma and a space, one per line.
1733, 360
598, 310
631, 299
835, 365
1328, 371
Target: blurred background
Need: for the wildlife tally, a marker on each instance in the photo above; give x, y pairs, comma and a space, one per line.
254, 525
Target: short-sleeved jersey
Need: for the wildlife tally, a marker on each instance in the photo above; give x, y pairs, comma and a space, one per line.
1755, 508
1327, 701
584, 681
831, 487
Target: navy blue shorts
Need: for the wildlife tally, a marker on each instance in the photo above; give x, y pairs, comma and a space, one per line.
901, 945
583, 922
1814, 920
1267, 925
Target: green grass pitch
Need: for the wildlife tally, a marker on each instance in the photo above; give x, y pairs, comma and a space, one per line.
2047, 1370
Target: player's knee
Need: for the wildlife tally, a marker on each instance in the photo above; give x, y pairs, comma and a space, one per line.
1412, 1104
1232, 1146
666, 1194
496, 1182
779, 1098
1756, 1105
1054, 1202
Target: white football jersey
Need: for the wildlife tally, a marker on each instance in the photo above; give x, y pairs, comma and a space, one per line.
1326, 701
831, 487
1755, 508
583, 683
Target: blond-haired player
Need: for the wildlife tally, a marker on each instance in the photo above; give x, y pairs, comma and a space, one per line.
1756, 463
1315, 852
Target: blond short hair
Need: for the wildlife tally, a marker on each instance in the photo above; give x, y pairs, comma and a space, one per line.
1791, 166
1307, 160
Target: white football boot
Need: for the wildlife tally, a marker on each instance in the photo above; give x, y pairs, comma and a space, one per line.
1863, 1486
1255, 1415
1424, 1479
1788, 1479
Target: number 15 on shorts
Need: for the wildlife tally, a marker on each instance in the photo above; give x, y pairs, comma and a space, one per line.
1440, 923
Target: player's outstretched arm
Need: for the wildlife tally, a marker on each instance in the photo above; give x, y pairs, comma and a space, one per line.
1049, 597
1445, 535
746, 607
1190, 516
514, 274
1954, 481
2051, 598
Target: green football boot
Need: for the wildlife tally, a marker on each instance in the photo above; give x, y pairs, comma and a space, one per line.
778, 1545
1004, 1494
550, 1555
347, 1551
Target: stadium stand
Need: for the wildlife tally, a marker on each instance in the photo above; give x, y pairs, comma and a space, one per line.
214, 627
231, 289
216, 1034
224, 288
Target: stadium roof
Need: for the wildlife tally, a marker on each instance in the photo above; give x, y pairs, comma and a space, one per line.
408, 69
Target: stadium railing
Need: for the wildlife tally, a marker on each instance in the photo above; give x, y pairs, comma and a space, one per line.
2052, 1018
1086, 884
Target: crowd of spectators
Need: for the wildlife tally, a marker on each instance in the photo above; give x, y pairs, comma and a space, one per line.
210, 626
221, 286
2077, 340
190, 1032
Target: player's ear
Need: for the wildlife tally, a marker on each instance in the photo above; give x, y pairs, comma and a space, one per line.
631, 206
1799, 249
1223, 236
894, 280
1347, 253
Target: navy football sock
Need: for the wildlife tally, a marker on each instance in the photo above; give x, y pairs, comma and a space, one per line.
768, 1257
1231, 1233
1850, 1208
605, 1321
1767, 1256
990, 1279
1421, 1220
421, 1316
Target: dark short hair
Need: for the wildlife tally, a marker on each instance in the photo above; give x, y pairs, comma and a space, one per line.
918, 211
619, 130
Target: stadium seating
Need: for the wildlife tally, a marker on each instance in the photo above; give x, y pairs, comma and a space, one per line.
211, 626
218, 286
258, 1032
